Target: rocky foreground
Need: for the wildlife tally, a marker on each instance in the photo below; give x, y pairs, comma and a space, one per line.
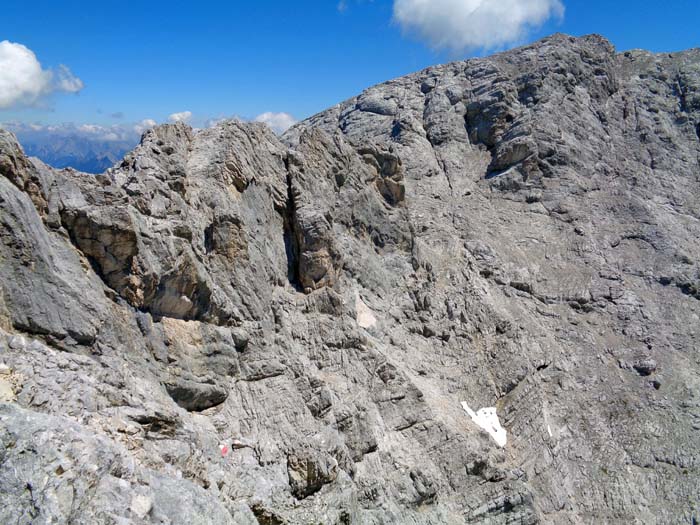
229, 327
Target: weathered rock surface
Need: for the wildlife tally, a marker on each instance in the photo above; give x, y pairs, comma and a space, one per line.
228, 327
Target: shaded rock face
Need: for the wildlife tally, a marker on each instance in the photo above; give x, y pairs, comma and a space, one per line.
229, 327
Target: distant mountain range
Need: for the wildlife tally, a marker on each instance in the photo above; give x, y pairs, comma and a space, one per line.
93, 148
75, 151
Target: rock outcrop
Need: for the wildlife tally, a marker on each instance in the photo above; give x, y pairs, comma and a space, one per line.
231, 327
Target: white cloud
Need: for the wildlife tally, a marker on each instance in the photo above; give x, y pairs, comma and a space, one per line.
460, 25
279, 122
183, 116
106, 133
24, 82
90, 132
145, 124
67, 81
125, 132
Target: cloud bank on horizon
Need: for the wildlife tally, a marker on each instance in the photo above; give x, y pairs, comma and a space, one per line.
88, 132
469, 25
24, 82
129, 133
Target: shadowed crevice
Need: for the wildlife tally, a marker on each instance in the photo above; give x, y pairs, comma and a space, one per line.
291, 241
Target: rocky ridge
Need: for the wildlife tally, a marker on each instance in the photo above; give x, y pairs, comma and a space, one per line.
231, 327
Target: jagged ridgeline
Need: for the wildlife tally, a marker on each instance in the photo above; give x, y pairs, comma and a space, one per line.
468, 295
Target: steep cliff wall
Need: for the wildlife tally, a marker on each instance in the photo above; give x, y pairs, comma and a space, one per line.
229, 327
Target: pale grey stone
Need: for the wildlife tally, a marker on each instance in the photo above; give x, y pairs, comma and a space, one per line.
523, 230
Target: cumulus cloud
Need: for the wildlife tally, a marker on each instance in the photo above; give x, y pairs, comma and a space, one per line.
66, 81
279, 122
183, 116
460, 25
145, 124
23, 81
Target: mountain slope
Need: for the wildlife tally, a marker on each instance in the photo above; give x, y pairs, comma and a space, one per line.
232, 328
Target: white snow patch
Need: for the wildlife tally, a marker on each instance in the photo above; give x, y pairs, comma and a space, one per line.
365, 317
549, 429
487, 419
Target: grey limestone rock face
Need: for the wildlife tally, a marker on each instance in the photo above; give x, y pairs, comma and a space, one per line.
231, 327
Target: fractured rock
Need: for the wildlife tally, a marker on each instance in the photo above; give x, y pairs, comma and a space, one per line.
523, 225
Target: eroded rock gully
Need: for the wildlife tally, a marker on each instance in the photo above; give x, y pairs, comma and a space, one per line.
231, 327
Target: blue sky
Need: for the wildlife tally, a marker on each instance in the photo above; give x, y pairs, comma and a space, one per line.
147, 60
